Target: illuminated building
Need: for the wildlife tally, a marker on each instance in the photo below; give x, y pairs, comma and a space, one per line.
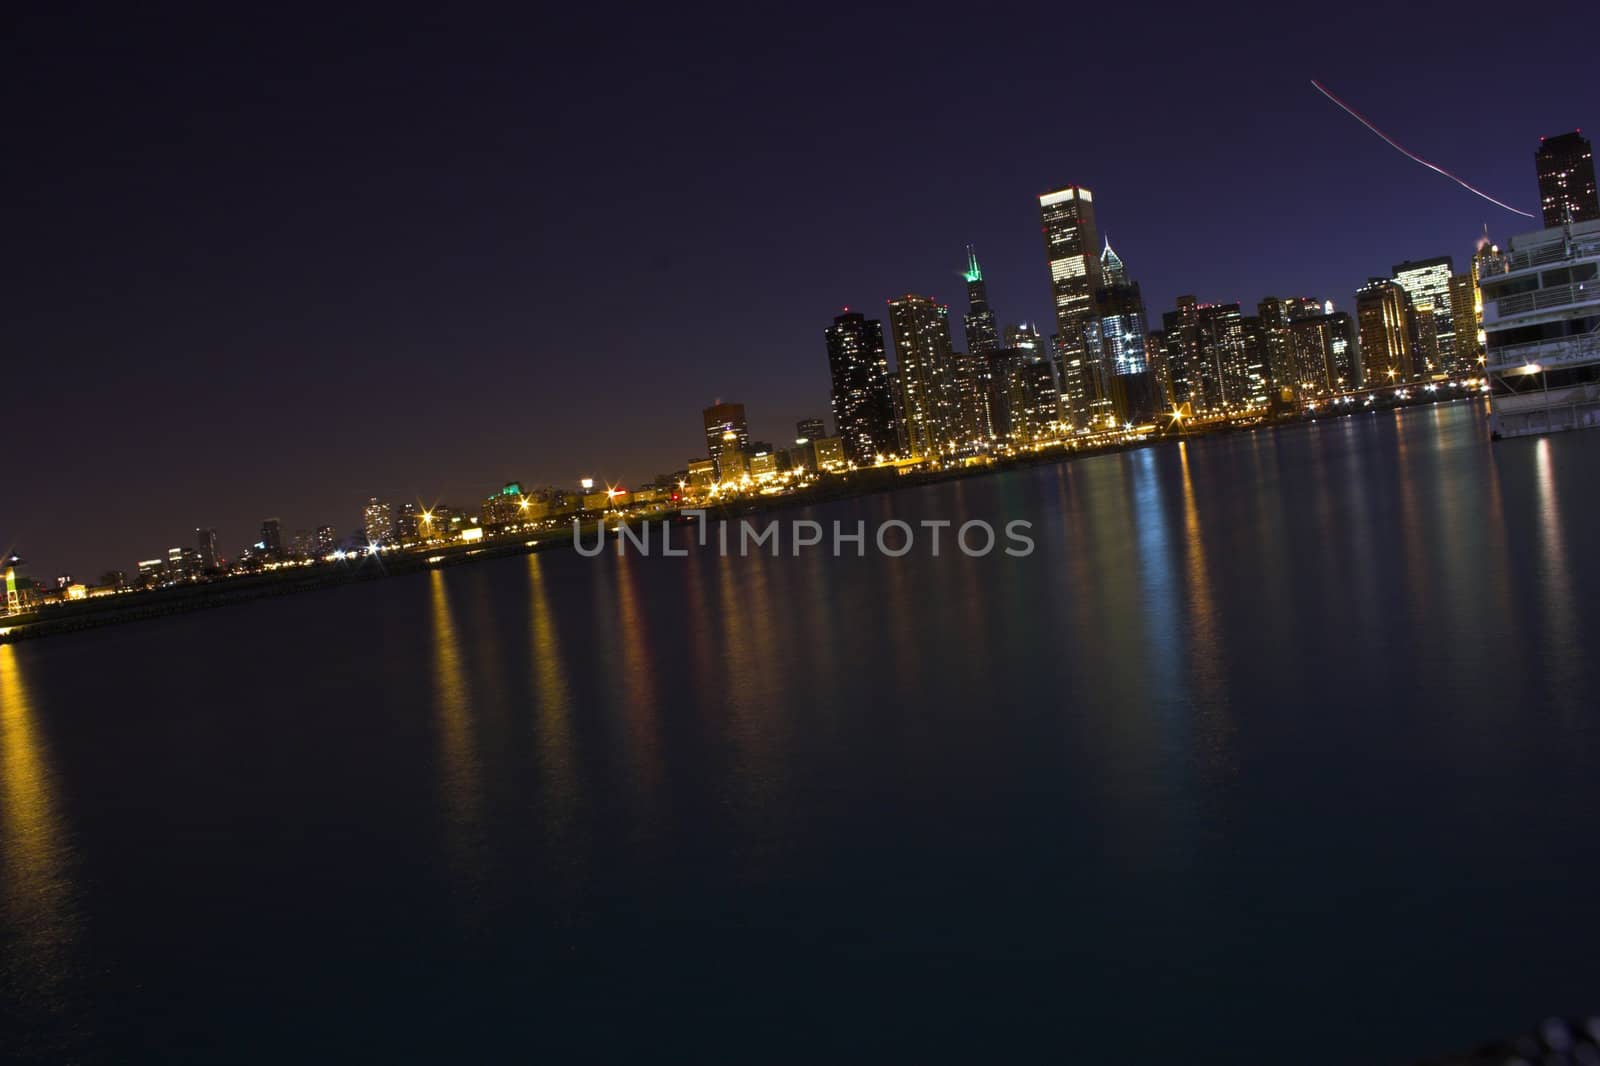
1070, 237
1181, 330
1565, 165
207, 541
183, 564
1466, 315
830, 453
763, 464
810, 429
727, 437
508, 507
926, 364
408, 522
1541, 314
1388, 330
1325, 353
974, 419
983, 335
1210, 364
1282, 368
733, 463
1026, 401
1427, 282
1117, 337
1306, 307
863, 397
377, 522
272, 538
702, 474
324, 540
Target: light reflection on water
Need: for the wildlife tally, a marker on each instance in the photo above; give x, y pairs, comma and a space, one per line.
40, 919
1254, 700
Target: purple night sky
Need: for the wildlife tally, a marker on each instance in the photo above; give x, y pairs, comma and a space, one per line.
276, 266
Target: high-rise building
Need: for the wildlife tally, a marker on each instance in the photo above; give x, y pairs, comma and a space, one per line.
1117, 338
1325, 354
272, 538
1566, 178
206, 539
863, 403
377, 522
927, 368
1388, 329
1070, 236
983, 335
1182, 378
810, 429
1306, 307
1427, 282
1283, 369
727, 434
324, 540
1466, 307
408, 520
1212, 366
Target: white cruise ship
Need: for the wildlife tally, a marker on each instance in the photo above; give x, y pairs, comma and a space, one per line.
1542, 321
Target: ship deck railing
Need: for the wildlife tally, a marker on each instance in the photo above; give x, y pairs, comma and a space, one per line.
1546, 354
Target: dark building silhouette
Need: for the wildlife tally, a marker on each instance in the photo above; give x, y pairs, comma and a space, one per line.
1566, 178
863, 400
983, 334
272, 538
206, 540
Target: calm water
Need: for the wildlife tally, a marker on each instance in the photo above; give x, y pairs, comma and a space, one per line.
1281, 747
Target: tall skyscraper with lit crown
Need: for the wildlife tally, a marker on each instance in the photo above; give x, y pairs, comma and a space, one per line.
1072, 244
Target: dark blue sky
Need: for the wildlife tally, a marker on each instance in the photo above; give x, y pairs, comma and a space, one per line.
274, 266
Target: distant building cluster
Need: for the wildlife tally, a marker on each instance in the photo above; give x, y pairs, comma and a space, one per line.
1105, 371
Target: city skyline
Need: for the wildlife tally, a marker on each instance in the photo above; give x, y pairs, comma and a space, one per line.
208, 407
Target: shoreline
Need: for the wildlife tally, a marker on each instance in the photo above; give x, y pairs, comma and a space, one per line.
76, 617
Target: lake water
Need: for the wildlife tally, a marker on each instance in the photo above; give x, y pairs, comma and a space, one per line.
1281, 747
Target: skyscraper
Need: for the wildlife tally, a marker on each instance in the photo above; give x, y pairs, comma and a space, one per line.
863, 405
927, 368
1070, 236
1183, 380
1566, 178
1427, 282
1282, 367
377, 522
974, 370
727, 432
272, 538
1325, 353
1466, 318
1388, 331
1117, 338
983, 335
206, 539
